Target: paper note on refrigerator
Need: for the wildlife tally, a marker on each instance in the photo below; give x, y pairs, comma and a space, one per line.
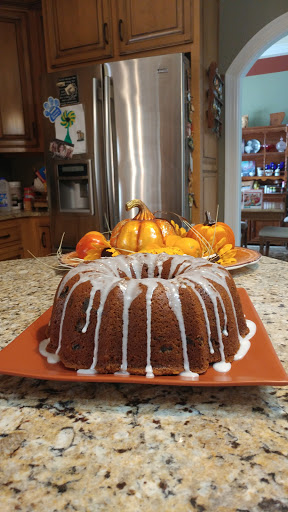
70, 127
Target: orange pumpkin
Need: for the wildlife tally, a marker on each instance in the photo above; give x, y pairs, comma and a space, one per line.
213, 232
187, 245
142, 231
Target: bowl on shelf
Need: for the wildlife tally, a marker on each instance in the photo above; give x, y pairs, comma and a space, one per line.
268, 172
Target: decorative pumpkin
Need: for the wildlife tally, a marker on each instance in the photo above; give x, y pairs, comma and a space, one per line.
92, 240
187, 245
142, 231
213, 232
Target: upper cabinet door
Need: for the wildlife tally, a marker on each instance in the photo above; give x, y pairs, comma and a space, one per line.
150, 24
76, 31
17, 115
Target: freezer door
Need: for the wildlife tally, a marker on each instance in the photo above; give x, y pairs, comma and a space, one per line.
148, 106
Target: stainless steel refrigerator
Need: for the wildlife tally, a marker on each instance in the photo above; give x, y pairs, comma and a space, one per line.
136, 145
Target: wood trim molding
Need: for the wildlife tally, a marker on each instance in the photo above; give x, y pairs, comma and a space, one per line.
25, 4
233, 98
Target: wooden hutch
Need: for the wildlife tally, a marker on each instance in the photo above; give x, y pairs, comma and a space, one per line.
274, 187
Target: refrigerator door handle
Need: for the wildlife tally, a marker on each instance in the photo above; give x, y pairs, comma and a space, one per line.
109, 155
98, 179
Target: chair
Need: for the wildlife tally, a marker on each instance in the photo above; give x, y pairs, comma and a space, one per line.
272, 234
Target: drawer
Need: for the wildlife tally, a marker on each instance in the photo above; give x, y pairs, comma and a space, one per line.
9, 232
11, 252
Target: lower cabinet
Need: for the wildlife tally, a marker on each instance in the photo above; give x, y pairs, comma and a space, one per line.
36, 236
10, 240
25, 238
256, 221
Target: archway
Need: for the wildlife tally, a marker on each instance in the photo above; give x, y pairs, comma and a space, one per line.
233, 135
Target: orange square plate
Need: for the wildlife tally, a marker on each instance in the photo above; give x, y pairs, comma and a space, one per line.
260, 366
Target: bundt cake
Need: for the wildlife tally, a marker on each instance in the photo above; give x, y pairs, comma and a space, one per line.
146, 314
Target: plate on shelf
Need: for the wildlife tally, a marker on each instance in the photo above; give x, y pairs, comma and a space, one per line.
244, 257
260, 366
252, 146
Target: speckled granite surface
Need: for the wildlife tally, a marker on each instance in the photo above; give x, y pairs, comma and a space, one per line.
21, 214
94, 447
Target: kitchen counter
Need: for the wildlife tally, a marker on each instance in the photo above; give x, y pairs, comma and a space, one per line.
22, 214
94, 447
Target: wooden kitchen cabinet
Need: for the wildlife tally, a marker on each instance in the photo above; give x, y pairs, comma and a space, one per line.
20, 79
124, 29
78, 32
36, 239
25, 237
10, 240
146, 25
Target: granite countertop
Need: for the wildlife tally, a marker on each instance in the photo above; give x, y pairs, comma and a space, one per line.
96, 446
21, 214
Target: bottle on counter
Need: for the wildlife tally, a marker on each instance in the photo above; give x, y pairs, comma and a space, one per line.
28, 198
15, 193
5, 198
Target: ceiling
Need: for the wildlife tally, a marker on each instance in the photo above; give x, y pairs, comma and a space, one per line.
277, 49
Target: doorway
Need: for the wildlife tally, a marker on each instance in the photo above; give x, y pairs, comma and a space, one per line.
267, 36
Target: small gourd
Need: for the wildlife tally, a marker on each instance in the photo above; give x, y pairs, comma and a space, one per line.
92, 240
187, 245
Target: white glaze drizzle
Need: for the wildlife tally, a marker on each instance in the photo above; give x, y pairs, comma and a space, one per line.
104, 275
86, 371
83, 279
51, 358
89, 308
150, 289
130, 292
245, 342
103, 296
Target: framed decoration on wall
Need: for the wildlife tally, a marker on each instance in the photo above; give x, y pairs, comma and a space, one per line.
215, 99
252, 198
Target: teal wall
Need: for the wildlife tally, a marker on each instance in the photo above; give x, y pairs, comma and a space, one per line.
263, 95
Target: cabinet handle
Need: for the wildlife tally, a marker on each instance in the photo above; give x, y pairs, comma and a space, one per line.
4, 236
105, 33
43, 240
120, 25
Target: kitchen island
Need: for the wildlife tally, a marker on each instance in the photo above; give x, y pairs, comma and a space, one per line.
92, 447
